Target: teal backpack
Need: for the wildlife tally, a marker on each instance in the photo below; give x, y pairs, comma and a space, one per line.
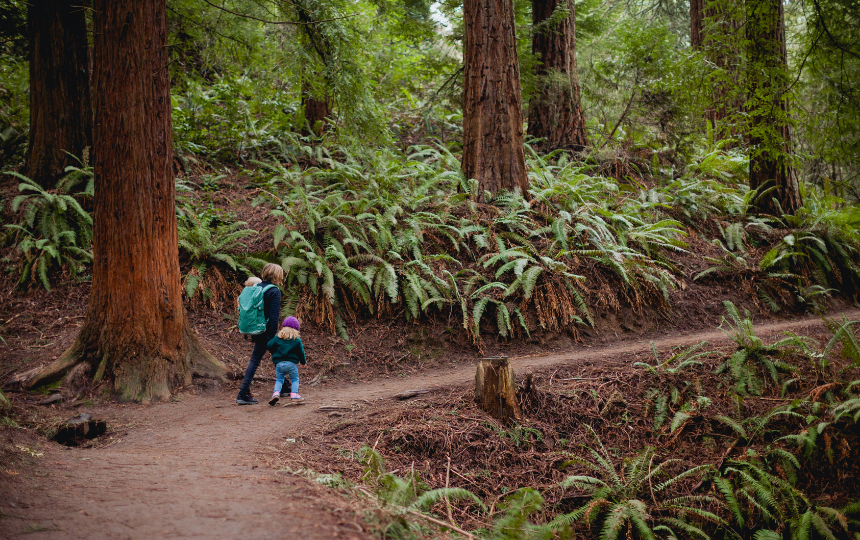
252, 316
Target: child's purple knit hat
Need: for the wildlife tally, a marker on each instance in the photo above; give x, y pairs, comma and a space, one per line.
292, 322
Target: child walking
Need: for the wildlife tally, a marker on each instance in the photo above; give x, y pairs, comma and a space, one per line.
287, 351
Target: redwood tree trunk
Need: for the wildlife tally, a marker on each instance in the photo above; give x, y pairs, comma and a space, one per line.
316, 111
61, 117
770, 131
135, 335
555, 111
492, 102
716, 30
697, 21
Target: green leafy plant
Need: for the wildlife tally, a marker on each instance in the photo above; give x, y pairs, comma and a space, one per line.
55, 230
401, 497
629, 500
514, 524
671, 387
844, 334
207, 245
773, 506
753, 363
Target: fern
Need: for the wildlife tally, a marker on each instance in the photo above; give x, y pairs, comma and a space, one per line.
54, 229
629, 498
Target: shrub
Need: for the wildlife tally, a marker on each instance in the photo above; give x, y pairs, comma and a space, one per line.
55, 231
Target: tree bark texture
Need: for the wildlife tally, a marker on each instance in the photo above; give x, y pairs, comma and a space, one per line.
697, 22
555, 111
716, 31
493, 151
770, 137
135, 334
61, 115
316, 111
495, 390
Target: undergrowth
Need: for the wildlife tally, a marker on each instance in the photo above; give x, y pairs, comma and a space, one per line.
744, 466
378, 233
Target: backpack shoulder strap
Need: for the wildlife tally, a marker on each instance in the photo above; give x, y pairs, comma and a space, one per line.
267, 287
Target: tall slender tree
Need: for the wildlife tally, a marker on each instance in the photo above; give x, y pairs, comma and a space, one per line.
316, 103
61, 116
716, 31
770, 129
135, 335
697, 23
493, 151
555, 111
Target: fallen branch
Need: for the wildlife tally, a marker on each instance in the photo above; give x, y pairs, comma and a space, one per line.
402, 396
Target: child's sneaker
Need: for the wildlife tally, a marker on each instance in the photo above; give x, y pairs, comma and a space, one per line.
275, 397
295, 397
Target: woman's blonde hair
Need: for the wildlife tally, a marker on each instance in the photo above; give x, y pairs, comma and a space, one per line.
287, 333
273, 272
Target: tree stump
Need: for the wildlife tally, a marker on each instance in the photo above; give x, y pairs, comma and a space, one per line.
495, 390
79, 428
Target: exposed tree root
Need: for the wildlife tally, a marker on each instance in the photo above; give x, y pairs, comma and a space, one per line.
135, 369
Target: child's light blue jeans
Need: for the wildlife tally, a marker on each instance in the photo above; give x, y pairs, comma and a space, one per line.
287, 368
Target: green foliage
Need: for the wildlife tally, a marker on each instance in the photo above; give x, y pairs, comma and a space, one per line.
55, 231
14, 107
206, 243
514, 524
760, 501
817, 246
633, 78
753, 364
400, 497
670, 391
844, 334
232, 119
372, 233
850, 408
629, 499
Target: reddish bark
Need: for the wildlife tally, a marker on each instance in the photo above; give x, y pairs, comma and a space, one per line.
135, 334
770, 137
706, 19
697, 21
61, 116
316, 111
555, 111
493, 151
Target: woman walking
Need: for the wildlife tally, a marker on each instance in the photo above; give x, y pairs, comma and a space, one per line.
272, 274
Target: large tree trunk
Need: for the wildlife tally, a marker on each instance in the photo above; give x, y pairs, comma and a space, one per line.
697, 23
770, 133
555, 111
492, 102
714, 29
135, 334
316, 111
61, 117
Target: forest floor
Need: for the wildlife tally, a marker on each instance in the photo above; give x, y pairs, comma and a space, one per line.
200, 466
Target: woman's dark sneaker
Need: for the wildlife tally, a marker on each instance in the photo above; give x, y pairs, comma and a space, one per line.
246, 400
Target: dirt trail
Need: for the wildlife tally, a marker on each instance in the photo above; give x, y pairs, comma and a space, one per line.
189, 469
